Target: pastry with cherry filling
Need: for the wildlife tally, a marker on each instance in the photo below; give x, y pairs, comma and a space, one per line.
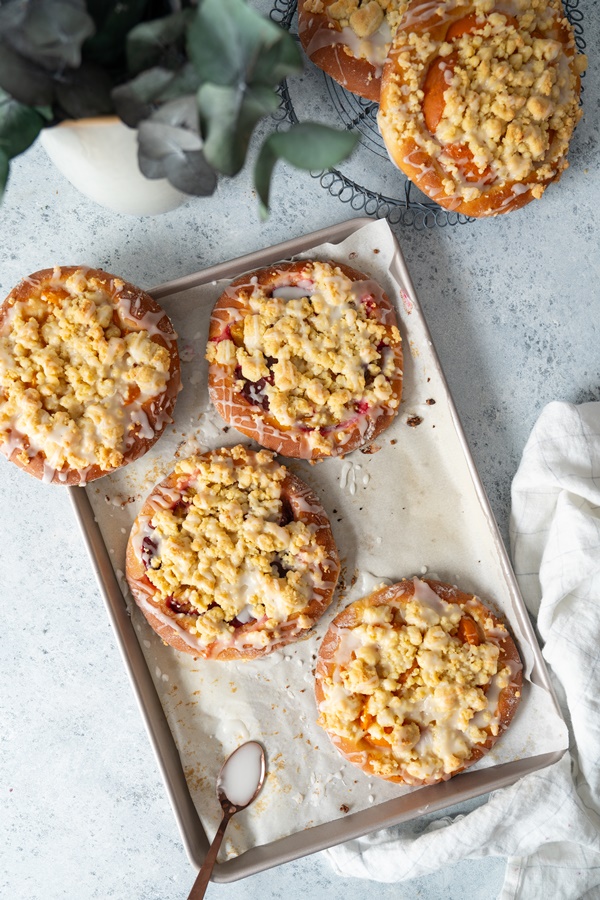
479, 101
350, 39
89, 374
305, 358
231, 556
417, 681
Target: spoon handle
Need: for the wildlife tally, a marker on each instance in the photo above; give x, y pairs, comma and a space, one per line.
201, 883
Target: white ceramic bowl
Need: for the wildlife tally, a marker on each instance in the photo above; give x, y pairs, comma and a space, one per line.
99, 157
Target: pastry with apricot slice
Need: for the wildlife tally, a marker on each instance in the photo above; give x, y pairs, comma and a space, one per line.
479, 102
417, 681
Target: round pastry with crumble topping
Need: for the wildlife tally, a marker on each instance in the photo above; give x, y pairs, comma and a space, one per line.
232, 556
417, 681
89, 374
350, 39
305, 358
479, 101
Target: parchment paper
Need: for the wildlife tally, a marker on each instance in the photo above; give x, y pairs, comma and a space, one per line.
409, 508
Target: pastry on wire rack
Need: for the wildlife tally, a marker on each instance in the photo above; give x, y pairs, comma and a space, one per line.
231, 556
305, 358
89, 374
479, 101
417, 681
350, 39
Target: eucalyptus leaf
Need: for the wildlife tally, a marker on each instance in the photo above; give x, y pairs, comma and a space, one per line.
23, 80
228, 117
226, 39
263, 171
181, 113
191, 173
50, 33
85, 92
157, 42
278, 62
308, 145
183, 82
113, 21
135, 100
46, 112
158, 139
19, 126
3, 172
168, 149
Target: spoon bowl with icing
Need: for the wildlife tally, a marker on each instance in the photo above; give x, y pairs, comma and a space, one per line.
238, 784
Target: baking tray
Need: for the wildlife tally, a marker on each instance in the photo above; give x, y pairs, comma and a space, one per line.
419, 353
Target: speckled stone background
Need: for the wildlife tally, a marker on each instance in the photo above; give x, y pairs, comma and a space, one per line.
514, 308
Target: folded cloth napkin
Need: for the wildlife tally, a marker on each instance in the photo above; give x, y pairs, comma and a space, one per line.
547, 824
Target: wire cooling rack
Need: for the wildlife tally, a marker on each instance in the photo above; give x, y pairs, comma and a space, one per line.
389, 194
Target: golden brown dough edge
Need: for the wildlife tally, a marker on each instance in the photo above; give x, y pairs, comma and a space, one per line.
358, 76
145, 303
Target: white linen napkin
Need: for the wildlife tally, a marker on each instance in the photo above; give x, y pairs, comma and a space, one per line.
547, 824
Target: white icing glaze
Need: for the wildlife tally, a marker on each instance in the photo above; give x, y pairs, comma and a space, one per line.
241, 775
374, 48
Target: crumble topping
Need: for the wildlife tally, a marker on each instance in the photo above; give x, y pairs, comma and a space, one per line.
224, 550
364, 17
314, 362
512, 97
409, 690
73, 379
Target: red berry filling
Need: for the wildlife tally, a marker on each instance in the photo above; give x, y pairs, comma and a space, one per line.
180, 606
254, 391
224, 336
148, 553
369, 303
287, 514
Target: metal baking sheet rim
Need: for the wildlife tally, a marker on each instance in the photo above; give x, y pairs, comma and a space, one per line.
392, 812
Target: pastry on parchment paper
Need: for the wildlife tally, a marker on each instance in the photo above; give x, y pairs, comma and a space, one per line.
89, 374
232, 556
306, 358
417, 681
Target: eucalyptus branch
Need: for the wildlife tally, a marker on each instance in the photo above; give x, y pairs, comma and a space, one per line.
194, 80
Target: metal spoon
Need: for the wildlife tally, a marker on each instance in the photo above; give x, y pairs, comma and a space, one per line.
240, 779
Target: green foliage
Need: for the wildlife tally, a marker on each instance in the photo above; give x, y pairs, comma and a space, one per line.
194, 77
240, 58
3, 171
19, 126
229, 116
49, 33
307, 146
170, 147
113, 22
159, 42
226, 39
